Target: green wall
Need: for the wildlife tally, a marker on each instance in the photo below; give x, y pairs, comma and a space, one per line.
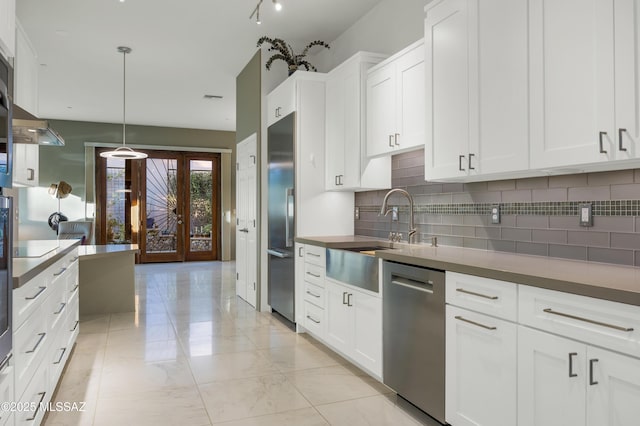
248, 100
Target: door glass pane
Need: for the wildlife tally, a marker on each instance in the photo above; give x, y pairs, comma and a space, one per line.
116, 201
201, 187
162, 217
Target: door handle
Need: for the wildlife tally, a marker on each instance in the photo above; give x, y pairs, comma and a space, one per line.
300, 252
460, 158
571, 373
620, 133
470, 157
390, 141
31, 173
602, 135
395, 138
288, 226
349, 299
591, 381
344, 295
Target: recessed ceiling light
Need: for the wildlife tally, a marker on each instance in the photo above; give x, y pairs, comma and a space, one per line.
212, 96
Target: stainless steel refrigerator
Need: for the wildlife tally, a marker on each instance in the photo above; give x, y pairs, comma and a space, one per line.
281, 202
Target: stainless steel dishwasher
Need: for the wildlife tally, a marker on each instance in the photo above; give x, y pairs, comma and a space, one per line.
413, 335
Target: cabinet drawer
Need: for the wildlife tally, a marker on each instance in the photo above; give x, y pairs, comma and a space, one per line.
55, 307
612, 325
72, 278
485, 295
36, 394
28, 299
314, 294
72, 325
31, 343
314, 319
314, 274
6, 388
316, 255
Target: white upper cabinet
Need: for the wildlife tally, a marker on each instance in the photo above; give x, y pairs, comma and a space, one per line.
585, 86
8, 27
396, 102
26, 164
477, 89
572, 82
347, 168
281, 101
26, 73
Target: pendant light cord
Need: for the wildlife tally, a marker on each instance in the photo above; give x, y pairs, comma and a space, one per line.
124, 97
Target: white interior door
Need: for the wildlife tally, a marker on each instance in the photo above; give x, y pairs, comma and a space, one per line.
246, 221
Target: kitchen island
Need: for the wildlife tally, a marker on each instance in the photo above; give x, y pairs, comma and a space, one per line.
107, 278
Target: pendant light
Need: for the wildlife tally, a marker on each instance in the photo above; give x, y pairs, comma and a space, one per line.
124, 152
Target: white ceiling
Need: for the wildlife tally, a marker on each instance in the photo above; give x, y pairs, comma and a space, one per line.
181, 51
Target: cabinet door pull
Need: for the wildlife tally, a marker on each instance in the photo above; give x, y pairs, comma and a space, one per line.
349, 299
571, 373
61, 356
35, 413
473, 293
313, 254
390, 141
591, 362
313, 275
313, 294
340, 179
620, 133
336, 180
75, 288
602, 135
590, 321
395, 139
470, 157
59, 311
344, 296
460, 158
32, 173
459, 318
37, 294
75, 326
309, 317
37, 343
300, 252
60, 272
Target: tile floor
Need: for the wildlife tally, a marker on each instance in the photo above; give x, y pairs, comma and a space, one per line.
194, 354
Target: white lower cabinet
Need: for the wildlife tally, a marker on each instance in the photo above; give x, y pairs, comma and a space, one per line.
45, 329
354, 325
480, 369
564, 382
6, 390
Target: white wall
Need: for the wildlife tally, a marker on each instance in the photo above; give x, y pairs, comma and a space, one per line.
387, 28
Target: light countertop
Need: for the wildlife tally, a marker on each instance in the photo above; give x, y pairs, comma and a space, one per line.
26, 268
599, 280
106, 250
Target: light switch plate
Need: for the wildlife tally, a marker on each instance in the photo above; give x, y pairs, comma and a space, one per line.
495, 214
586, 215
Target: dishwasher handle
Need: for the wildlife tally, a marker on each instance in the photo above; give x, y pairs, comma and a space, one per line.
426, 287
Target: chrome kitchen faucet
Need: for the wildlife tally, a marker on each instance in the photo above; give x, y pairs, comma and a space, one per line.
384, 211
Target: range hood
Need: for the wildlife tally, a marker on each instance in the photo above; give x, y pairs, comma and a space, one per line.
29, 129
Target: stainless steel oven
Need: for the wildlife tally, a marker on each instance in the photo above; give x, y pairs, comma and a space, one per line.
6, 116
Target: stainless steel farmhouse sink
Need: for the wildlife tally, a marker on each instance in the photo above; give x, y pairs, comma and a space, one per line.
355, 265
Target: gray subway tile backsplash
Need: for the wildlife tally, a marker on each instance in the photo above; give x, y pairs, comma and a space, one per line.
539, 215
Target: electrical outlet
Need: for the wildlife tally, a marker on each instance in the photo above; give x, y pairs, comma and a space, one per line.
495, 214
357, 214
586, 215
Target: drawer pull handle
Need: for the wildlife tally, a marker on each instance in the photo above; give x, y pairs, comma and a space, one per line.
59, 311
475, 323
313, 275
75, 288
591, 381
313, 254
309, 317
344, 296
313, 294
60, 272
37, 343
300, 254
37, 294
75, 326
75, 258
349, 299
64, 350
484, 296
35, 413
603, 324
571, 373
5, 361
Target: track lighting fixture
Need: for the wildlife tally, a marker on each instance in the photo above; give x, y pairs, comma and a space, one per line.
256, 11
